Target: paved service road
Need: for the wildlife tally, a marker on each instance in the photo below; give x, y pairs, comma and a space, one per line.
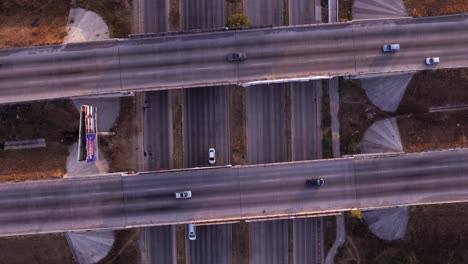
160, 244
266, 124
305, 12
199, 60
202, 14
154, 15
306, 120
206, 125
243, 192
158, 131
213, 245
269, 242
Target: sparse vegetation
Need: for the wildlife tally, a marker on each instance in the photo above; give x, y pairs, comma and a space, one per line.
423, 8
32, 23
345, 10
238, 20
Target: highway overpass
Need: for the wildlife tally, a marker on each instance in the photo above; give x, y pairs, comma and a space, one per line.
199, 59
233, 193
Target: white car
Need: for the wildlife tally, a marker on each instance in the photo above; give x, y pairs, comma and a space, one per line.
391, 48
432, 60
183, 195
192, 235
212, 156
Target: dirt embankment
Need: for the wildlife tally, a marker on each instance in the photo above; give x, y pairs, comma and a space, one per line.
423, 8
435, 234
357, 113
32, 23
121, 150
421, 130
55, 120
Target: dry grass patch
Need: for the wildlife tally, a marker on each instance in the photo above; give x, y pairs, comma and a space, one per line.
116, 13
345, 10
35, 249
423, 8
32, 23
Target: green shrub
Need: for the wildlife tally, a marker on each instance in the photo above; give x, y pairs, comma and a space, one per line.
238, 20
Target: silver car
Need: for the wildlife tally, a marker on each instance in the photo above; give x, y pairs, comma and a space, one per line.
432, 60
211, 156
183, 194
192, 234
391, 48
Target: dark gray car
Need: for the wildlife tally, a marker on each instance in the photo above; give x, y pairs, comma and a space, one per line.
237, 56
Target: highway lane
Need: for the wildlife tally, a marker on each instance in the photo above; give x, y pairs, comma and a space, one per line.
154, 15
158, 143
269, 242
206, 125
266, 124
202, 14
244, 192
264, 12
160, 243
305, 240
304, 12
213, 245
194, 60
306, 120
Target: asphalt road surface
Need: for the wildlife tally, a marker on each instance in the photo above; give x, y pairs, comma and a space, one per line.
269, 242
266, 124
213, 245
158, 143
154, 15
114, 202
305, 249
264, 12
305, 12
160, 244
205, 126
195, 60
306, 120
202, 14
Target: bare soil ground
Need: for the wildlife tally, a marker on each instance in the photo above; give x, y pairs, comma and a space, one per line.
345, 10
435, 234
174, 15
240, 244
421, 130
32, 23
422, 8
356, 114
121, 150
238, 125
434, 131
180, 244
116, 13
55, 120
177, 128
40, 249
125, 249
